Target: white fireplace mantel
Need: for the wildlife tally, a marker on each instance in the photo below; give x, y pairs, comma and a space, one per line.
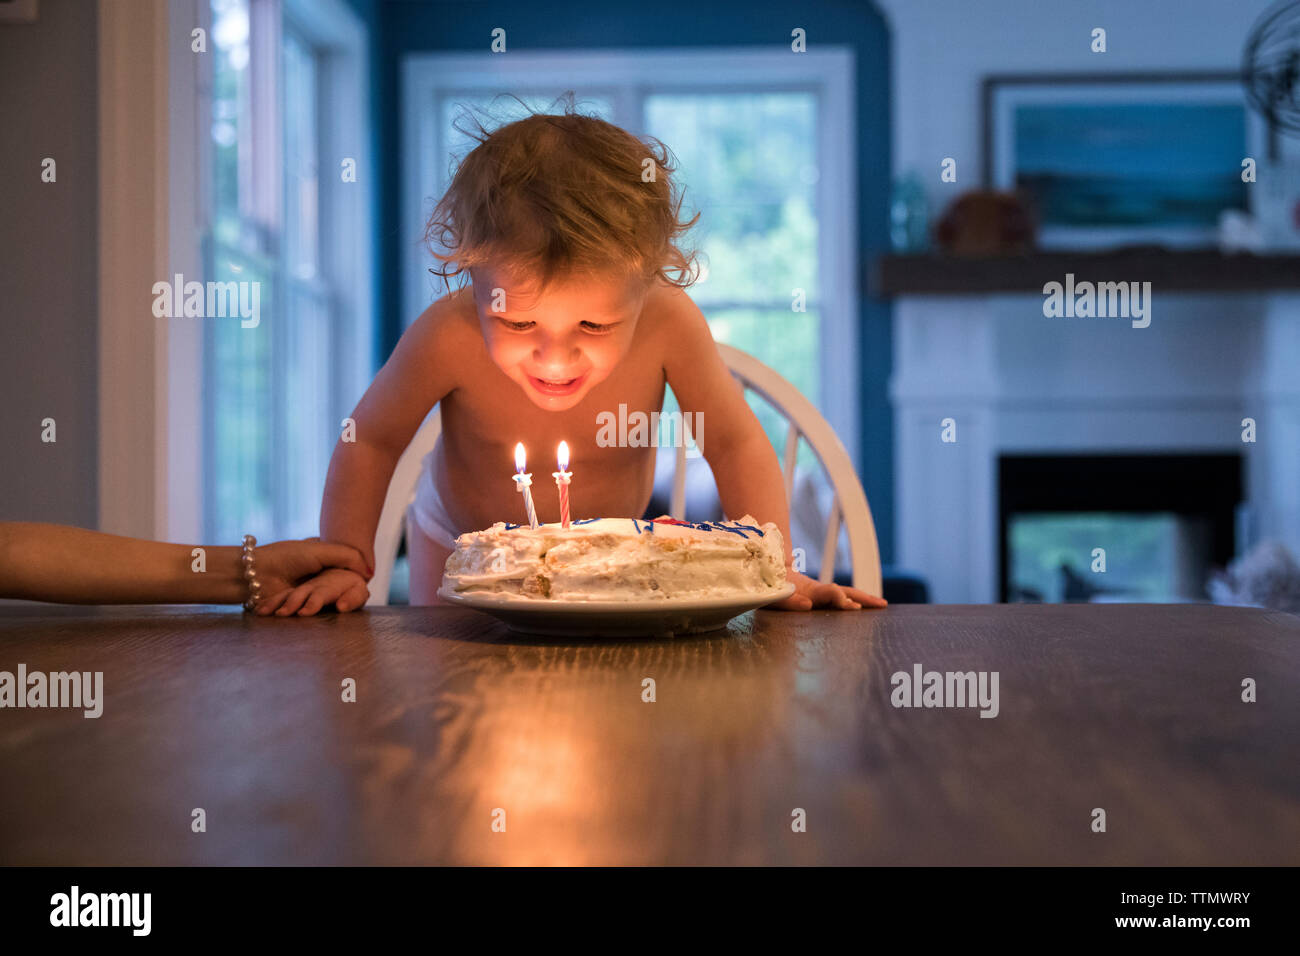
1014, 381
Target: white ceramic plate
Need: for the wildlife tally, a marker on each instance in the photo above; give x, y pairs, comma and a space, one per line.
612, 618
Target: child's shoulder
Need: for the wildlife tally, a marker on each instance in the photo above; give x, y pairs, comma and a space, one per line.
673, 317
668, 309
448, 322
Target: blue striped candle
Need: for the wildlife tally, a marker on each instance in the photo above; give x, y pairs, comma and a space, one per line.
522, 482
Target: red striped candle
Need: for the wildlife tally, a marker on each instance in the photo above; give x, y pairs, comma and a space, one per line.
562, 482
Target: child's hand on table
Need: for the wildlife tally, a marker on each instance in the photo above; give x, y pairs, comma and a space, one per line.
281, 566
810, 593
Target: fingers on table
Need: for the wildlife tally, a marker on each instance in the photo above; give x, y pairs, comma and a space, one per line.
833, 595
865, 599
315, 601
353, 598
828, 595
310, 598
297, 598
268, 605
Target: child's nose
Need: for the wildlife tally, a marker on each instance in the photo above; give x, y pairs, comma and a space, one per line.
557, 351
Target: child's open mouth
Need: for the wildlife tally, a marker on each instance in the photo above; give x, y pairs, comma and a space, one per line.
557, 387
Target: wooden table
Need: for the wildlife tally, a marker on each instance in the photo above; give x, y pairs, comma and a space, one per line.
1132, 708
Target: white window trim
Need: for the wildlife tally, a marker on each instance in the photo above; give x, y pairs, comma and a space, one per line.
154, 108
150, 483
828, 70
344, 95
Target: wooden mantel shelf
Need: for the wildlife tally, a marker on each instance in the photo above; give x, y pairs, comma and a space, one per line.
1193, 270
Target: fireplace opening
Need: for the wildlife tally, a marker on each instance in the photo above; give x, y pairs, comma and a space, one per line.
1133, 528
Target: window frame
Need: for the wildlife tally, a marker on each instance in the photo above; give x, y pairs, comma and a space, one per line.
150, 482
155, 109
345, 210
628, 76
338, 43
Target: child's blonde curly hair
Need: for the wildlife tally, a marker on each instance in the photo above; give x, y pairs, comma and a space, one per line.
555, 195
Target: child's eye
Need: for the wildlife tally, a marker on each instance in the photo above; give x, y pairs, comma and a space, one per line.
597, 327
517, 326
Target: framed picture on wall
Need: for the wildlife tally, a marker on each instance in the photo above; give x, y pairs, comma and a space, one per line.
1121, 159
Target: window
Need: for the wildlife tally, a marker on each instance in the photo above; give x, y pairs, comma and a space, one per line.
285, 118
765, 146
750, 159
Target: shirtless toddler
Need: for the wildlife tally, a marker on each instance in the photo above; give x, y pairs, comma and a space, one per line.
566, 226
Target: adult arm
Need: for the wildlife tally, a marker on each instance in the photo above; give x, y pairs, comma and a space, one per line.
50, 562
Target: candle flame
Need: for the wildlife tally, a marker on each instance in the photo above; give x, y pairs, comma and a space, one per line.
519, 458
563, 456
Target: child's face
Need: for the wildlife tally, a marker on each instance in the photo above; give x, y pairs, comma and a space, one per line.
558, 346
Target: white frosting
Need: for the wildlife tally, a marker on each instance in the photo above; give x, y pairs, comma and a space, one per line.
620, 558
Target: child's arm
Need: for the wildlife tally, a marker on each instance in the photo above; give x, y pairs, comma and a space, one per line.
420, 372
737, 449
51, 562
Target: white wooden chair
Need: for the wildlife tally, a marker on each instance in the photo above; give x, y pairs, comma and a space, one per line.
849, 504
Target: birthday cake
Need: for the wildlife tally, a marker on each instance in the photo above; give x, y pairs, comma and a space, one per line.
616, 559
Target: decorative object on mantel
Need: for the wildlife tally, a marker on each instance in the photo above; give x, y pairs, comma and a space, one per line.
983, 223
1270, 73
1266, 576
1115, 159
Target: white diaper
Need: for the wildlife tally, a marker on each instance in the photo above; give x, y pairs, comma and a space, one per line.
426, 511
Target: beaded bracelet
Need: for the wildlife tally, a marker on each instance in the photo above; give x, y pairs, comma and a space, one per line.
248, 559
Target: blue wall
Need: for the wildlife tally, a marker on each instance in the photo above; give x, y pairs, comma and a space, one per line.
410, 26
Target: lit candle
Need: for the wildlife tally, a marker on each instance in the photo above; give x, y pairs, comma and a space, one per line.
522, 481
562, 482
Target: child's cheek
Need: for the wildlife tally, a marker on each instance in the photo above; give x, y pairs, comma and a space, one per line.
602, 358
611, 350
508, 352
